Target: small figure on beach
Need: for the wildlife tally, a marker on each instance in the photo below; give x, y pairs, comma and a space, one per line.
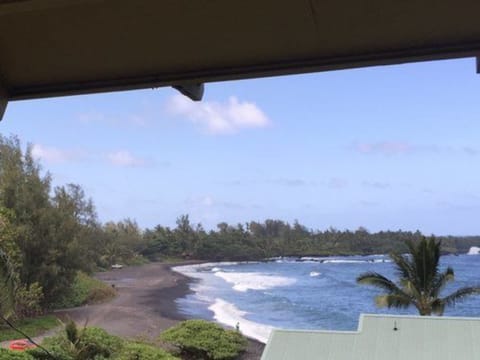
237, 326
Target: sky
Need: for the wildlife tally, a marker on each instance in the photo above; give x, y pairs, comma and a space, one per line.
391, 147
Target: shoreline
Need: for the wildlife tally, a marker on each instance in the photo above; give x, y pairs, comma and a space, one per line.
145, 304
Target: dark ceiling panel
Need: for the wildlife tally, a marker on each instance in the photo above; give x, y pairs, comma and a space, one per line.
55, 47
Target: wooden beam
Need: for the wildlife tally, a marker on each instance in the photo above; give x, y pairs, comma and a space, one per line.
478, 64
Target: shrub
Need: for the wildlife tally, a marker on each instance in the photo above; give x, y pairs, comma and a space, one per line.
86, 344
201, 339
27, 301
85, 290
135, 351
95, 344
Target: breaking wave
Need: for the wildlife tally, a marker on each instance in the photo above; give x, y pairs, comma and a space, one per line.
243, 281
228, 314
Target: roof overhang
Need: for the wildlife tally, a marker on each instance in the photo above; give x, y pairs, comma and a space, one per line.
64, 47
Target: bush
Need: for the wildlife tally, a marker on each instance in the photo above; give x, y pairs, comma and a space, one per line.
95, 344
85, 290
136, 351
28, 300
201, 339
86, 344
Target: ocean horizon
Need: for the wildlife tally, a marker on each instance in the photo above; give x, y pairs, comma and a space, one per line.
311, 293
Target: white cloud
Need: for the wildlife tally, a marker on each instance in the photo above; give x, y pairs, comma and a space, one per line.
53, 154
219, 118
125, 159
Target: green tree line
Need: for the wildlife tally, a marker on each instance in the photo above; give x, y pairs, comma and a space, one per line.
274, 238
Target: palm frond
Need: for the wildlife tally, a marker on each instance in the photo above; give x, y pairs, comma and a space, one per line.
410, 288
377, 280
439, 282
426, 259
403, 266
460, 295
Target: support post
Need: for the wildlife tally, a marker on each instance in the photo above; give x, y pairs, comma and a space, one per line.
193, 91
478, 64
3, 101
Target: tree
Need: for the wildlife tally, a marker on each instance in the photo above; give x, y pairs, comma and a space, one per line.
420, 282
53, 232
8, 271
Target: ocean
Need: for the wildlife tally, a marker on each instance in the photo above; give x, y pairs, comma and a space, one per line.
306, 293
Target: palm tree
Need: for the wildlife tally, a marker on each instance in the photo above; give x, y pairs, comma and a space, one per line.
420, 280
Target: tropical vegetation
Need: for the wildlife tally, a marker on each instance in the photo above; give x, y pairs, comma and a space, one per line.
200, 339
89, 343
421, 280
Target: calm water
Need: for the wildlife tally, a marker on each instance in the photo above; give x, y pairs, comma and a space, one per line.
317, 293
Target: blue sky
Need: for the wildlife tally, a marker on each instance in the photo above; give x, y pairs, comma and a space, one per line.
394, 147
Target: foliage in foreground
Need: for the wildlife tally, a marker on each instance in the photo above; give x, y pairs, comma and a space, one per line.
95, 344
14, 355
136, 351
421, 281
32, 327
199, 339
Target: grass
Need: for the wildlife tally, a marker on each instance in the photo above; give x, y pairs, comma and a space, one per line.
32, 327
85, 290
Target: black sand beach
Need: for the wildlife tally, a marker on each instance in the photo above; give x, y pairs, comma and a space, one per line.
145, 304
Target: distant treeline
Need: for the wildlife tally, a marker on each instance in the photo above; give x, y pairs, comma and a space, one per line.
271, 238
48, 235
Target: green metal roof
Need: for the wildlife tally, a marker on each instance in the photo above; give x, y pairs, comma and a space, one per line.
415, 337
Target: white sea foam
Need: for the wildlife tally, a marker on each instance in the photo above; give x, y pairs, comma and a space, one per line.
344, 261
243, 281
190, 270
314, 274
230, 315
474, 250
382, 261
215, 269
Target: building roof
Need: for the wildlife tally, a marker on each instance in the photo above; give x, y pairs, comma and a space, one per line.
61, 47
419, 338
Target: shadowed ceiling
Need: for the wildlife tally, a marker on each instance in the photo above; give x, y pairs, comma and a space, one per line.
60, 47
